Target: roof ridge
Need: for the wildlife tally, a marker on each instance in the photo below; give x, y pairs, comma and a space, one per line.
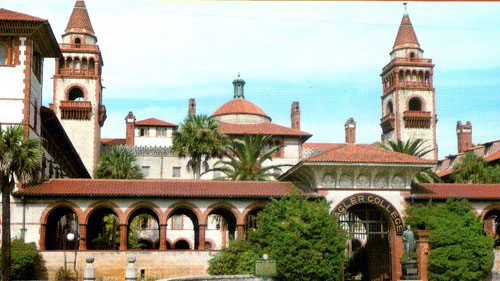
6, 14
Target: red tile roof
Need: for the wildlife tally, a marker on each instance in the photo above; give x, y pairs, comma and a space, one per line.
113, 141
11, 15
324, 146
80, 20
263, 128
406, 35
444, 172
457, 190
155, 122
239, 106
158, 188
365, 153
493, 157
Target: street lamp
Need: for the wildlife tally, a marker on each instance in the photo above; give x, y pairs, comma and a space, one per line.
71, 237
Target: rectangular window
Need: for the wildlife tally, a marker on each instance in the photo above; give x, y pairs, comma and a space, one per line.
160, 132
177, 222
143, 132
176, 172
145, 171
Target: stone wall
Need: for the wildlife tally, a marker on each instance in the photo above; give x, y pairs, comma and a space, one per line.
220, 278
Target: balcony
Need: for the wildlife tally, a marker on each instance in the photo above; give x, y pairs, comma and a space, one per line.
417, 119
76, 72
77, 110
388, 123
79, 47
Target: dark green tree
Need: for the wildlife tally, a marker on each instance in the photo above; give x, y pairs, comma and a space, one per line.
246, 159
19, 158
300, 233
198, 138
474, 169
460, 249
27, 262
118, 163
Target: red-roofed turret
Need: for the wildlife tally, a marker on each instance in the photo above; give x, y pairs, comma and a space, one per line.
79, 22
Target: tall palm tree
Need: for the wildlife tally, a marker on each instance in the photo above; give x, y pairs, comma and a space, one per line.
199, 139
118, 163
19, 159
474, 169
416, 148
246, 159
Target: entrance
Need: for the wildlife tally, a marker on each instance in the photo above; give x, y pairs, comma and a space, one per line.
369, 248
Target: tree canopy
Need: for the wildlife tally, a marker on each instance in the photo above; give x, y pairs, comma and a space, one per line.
118, 163
299, 233
474, 169
198, 138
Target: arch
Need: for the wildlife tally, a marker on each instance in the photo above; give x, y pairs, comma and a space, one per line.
148, 244
69, 62
211, 244
189, 210
179, 205
491, 207
100, 234
71, 87
252, 206
62, 203
103, 203
78, 42
415, 103
222, 205
182, 241
60, 221
412, 55
250, 216
143, 204
389, 108
169, 244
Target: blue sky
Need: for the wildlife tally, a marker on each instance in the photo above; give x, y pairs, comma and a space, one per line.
327, 55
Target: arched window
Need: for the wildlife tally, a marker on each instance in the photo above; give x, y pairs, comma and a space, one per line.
412, 55
415, 104
69, 62
76, 94
78, 42
91, 66
77, 66
3, 55
389, 108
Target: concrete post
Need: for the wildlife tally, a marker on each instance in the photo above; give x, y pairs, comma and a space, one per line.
89, 273
131, 273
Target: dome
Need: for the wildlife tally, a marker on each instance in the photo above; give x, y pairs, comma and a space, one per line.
239, 107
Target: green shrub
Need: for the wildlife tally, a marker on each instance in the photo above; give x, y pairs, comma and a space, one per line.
27, 262
460, 250
65, 275
300, 234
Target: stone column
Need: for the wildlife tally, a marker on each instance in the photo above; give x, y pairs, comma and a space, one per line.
123, 237
83, 237
163, 237
240, 231
43, 228
89, 273
423, 250
131, 272
201, 235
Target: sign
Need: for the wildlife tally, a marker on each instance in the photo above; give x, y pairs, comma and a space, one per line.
265, 268
369, 198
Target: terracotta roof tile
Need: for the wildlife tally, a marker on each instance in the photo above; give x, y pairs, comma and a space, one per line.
154, 122
80, 20
323, 146
239, 106
11, 15
263, 128
159, 188
365, 153
113, 142
457, 190
444, 172
493, 157
406, 35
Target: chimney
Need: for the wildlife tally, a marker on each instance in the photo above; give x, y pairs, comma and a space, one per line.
295, 115
464, 136
192, 106
350, 131
130, 121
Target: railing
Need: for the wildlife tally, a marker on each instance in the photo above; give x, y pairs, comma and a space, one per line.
76, 47
79, 110
388, 122
71, 71
409, 61
417, 119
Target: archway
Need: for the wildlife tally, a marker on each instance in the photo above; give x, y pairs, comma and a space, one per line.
492, 225
60, 222
221, 226
143, 228
182, 244
183, 222
103, 231
251, 222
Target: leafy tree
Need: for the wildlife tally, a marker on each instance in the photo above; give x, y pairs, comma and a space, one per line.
118, 163
19, 158
460, 250
198, 137
415, 148
246, 159
474, 169
301, 234
27, 262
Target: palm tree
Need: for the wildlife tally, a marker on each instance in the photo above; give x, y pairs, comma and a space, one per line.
118, 163
199, 138
246, 159
19, 159
416, 148
474, 169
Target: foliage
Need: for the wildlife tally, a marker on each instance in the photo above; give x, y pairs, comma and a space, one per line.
199, 138
118, 163
133, 232
246, 159
299, 233
19, 157
460, 250
474, 169
104, 240
65, 275
27, 262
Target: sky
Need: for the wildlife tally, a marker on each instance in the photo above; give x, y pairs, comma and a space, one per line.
326, 55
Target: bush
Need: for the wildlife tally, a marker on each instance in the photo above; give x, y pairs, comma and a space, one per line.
65, 275
27, 263
460, 249
300, 234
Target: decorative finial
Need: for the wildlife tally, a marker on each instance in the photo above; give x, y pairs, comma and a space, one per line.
406, 13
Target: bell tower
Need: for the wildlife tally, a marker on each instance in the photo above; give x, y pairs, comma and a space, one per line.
78, 87
408, 99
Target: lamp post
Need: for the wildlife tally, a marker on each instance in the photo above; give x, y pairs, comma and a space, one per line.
71, 237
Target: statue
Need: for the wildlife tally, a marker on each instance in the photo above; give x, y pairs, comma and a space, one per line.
409, 241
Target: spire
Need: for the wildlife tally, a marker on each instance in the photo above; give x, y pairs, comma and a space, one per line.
406, 35
238, 84
79, 22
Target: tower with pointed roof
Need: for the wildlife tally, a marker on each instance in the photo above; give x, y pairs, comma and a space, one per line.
408, 99
78, 87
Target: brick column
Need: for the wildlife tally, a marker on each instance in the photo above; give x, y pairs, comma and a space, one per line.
423, 250
240, 231
83, 237
201, 234
163, 237
123, 237
43, 228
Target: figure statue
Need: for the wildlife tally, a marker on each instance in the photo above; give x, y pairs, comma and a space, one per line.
409, 241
